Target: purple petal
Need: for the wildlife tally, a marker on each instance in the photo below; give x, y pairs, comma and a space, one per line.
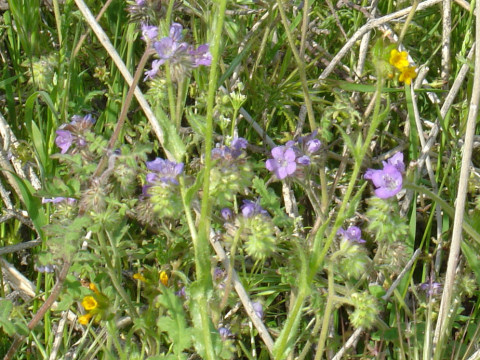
289, 155
149, 32
397, 161
239, 143
291, 167
277, 152
281, 173
303, 160
201, 56
64, 140
150, 74
313, 146
165, 48
176, 32
271, 164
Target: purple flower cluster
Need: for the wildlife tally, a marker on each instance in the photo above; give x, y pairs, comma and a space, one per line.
352, 234
388, 181
59, 199
231, 153
294, 155
164, 172
72, 133
250, 209
172, 49
431, 288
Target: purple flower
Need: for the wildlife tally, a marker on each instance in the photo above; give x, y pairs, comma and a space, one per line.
176, 32
396, 161
313, 146
165, 171
389, 180
225, 333
64, 140
303, 160
149, 32
239, 143
201, 56
258, 308
150, 74
283, 163
219, 274
431, 288
57, 200
227, 214
168, 49
72, 133
352, 234
250, 208
45, 268
181, 293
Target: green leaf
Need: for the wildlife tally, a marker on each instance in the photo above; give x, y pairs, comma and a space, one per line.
6, 307
173, 142
174, 325
32, 203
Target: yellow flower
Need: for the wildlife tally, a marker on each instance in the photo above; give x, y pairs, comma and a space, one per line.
164, 278
89, 303
84, 319
93, 288
139, 276
399, 59
407, 75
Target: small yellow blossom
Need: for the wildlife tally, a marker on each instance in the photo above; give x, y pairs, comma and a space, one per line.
93, 288
399, 59
89, 303
164, 278
84, 319
407, 75
139, 276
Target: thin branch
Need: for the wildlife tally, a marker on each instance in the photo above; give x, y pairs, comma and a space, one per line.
461, 193
242, 294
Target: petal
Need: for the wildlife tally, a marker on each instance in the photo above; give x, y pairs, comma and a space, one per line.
278, 151
281, 173
289, 155
271, 164
291, 167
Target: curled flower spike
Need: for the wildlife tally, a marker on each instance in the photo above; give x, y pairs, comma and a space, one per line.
399, 59
388, 181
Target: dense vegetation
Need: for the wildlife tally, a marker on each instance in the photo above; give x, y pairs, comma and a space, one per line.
239, 179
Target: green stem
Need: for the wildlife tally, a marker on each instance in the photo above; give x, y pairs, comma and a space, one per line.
300, 64
168, 17
326, 314
113, 276
171, 94
202, 255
